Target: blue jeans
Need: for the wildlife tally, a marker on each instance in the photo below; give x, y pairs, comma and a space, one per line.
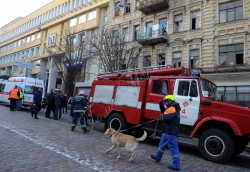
58, 109
170, 142
18, 105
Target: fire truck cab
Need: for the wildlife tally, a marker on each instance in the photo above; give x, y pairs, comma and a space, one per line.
125, 99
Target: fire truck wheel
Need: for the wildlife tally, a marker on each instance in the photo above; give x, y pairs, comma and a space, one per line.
117, 122
216, 145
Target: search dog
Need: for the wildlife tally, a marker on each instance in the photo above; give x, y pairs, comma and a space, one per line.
122, 140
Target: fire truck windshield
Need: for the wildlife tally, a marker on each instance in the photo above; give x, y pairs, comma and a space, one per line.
208, 89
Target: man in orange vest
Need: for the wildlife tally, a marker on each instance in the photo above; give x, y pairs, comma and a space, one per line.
13, 97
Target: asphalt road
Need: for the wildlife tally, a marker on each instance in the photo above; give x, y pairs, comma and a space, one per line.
32, 145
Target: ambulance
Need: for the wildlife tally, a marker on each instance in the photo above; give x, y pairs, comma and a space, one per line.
29, 85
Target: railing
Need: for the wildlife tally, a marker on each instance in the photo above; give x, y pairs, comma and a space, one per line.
152, 34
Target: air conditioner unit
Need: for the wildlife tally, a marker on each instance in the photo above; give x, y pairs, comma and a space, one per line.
231, 63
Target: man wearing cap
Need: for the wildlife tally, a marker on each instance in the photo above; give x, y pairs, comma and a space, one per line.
171, 120
79, 107
21, 96
13, 97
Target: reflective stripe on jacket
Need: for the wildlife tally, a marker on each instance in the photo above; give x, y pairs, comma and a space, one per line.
21, 94
13, 94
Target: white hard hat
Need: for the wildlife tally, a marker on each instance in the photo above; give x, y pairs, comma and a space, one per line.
81, 92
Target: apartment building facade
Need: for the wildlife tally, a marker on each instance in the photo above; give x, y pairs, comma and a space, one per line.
208, 36
30, 40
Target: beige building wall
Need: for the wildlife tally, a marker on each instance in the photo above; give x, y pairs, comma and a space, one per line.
207, 39
26, 38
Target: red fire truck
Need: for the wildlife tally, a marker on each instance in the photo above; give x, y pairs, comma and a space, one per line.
129, 98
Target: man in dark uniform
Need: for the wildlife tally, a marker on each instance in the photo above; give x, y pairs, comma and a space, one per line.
79, 107
37, 102
51, 104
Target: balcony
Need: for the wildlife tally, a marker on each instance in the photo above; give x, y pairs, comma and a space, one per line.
152, 38
152, 6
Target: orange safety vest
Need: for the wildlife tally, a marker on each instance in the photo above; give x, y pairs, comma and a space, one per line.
13, 94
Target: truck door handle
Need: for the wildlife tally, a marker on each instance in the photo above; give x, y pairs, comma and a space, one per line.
206, 103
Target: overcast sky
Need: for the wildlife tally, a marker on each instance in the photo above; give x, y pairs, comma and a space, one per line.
12, 9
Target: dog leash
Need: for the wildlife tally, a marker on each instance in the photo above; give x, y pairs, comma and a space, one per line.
140, 125
154, 134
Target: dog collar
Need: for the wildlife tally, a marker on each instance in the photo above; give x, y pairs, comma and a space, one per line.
112, 134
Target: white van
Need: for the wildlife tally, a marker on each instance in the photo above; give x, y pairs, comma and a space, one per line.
29, 86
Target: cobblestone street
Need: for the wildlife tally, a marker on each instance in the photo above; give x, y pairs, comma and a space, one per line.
32, 145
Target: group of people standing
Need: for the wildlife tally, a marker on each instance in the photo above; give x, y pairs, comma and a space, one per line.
16, 96
56, 103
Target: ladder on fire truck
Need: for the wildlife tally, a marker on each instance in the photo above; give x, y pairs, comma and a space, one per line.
144, 73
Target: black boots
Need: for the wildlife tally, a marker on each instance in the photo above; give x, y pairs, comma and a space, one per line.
36, 116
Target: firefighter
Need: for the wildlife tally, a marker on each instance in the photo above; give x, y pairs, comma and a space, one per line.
79, 107
171, 120
13, 97
21, 96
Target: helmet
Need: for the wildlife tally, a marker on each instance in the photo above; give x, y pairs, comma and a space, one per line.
169, 97
81, 92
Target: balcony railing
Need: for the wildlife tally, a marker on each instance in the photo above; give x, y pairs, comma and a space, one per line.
152, 6
152, 37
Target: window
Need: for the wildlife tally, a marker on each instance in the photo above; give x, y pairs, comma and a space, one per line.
156, 89
112, 65
115, 36
195, 20
137, 4
161, 59
149, 30
231, 55
239, 95
127, 6
123, 65
147, 61
194, 58
38, 35
82, 18
134, 63
160, 87
232, 10
15, 44
178, 23
19, 42
73, 40
52, 40
163, 26
92, 14
183, 88
82, 36
72, 22
136, 32
177, 59
23, 41
117, 9
125, 34
28, 39
32, 37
